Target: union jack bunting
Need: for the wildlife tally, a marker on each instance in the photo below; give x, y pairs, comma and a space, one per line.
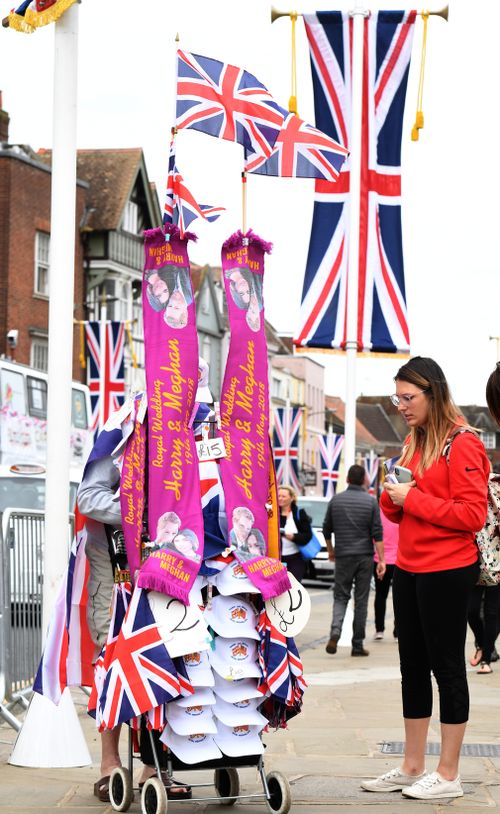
226, 102
180, 206
382, 316
141, 675
300, 151
108, 363
371, 465
286, 445
330, 448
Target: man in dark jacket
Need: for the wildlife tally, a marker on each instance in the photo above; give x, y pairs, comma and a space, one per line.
353, 517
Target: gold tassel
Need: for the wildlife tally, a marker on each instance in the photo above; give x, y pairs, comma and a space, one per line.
292, 102
83, 358
419, 118
133, 357
18, 23
39, 18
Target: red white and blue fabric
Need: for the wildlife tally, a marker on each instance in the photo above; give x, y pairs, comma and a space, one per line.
382, 313
300, 151
141, 675
68, 652
330, 449
113, 373
371, 463
280, 664
287, 422
181, 208
226, 102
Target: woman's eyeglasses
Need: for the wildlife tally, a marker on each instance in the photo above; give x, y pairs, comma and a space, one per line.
406, 399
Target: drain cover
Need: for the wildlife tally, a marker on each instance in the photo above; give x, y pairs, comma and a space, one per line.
468, 749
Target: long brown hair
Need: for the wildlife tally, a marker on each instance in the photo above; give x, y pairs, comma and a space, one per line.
443, 414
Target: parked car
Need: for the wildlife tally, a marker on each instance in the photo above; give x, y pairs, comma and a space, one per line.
320, 567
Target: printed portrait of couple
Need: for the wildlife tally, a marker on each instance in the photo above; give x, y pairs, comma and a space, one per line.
169, 290
245, 287
248, 541
170, 537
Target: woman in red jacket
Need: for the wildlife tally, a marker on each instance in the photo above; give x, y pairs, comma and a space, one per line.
438, 513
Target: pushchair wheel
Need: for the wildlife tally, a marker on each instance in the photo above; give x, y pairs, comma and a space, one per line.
280, 797
121, 792
154, 797
227, 786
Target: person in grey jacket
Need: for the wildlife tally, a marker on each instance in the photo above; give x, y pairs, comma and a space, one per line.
353, 516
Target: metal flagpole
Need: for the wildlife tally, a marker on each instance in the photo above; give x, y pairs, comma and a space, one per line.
359, 13
286, 432
62, 265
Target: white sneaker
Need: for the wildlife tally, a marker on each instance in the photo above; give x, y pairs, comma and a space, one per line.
434, 787
378, 635
394, 780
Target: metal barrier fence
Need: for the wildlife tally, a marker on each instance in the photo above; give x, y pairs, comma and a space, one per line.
22, 540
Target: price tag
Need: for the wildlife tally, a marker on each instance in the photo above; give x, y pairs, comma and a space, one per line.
210, 448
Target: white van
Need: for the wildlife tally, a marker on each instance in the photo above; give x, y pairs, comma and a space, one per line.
320, 567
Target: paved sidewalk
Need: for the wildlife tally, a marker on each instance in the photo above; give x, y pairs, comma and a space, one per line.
351, 707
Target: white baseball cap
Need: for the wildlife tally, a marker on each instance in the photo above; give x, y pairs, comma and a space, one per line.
236, 690
202, 696
231, 616
193, 748
190, 720
235, 658
240, 712
239, 740
233, 580
203, 392
198, 669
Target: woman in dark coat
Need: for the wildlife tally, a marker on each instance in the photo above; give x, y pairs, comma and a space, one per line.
296, 531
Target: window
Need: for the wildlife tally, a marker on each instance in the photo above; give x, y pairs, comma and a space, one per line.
37, 397
42, 247
276, 388
40, 354
489, 440
78, 409
130, 217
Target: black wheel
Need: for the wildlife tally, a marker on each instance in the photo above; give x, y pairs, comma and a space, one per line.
280, 797
121, 792
154, 797
227, 786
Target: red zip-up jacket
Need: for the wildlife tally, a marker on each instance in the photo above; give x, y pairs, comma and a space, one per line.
443, 512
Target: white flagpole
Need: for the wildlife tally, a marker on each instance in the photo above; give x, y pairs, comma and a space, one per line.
102, 360
286, 432
62, 265
359, 13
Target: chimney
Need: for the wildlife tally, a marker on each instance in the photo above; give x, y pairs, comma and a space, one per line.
4, 123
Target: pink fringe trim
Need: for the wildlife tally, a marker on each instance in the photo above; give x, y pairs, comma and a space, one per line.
277, 587
236, 239
168, 228
153, 583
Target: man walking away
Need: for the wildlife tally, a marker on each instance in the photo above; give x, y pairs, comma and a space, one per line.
353, 517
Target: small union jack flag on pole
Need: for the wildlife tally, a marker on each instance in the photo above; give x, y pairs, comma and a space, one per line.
286, 445
226, 102
105, 369
181, 207
330, 449
372, 466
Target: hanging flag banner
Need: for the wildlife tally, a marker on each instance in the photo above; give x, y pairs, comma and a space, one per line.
33, 14
174, 509
105, 370
382, 314
244, 415
330, 449
287, 422
181, 207
371, 463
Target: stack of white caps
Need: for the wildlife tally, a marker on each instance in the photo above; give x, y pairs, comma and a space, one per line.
198, 669
237, 689
233, 580
239, 740
242, 712
231, 616
190, 720
235, 658
193, 748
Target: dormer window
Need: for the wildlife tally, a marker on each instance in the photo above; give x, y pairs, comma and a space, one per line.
130, 217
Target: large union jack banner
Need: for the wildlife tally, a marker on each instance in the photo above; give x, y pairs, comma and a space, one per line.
330, 449
371, 463
286, 445
109, 363
382, 315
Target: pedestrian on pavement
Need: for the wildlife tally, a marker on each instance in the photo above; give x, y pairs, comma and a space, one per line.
353, 516
382, 585
482, 617
438, 511
296, 530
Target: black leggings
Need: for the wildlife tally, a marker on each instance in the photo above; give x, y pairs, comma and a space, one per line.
431, 619
485, 632
381, 591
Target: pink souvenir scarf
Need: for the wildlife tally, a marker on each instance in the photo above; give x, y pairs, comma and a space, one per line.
132, 491
245, 415
175, 518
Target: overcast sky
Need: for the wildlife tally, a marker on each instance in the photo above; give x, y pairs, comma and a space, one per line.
450, 177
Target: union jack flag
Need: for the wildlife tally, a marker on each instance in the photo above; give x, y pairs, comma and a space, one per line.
301, 151
226, 102
141, 675
382, 315
287, 422
330, 448
108, 363
281, 665
371, 465
180, 206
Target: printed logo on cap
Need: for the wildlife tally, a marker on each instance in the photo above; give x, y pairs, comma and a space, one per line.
198, 738
239, 651
238, 614
241, 731
243, 704
192, 659
193, 710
